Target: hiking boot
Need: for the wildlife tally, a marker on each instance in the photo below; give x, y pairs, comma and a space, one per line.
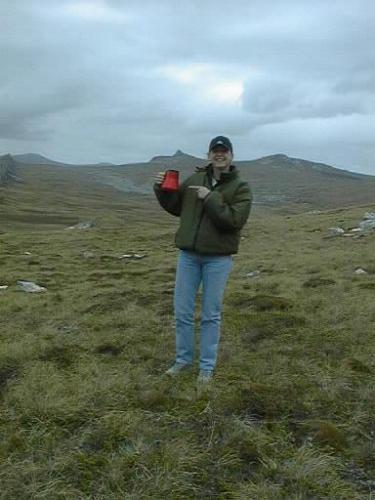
205, 376
177, 368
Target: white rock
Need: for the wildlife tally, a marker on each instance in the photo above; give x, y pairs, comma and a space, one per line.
82, 225
88, 255
367, 225
253, 274
132, 256
30, 287
3, 288
336, 231
360, 271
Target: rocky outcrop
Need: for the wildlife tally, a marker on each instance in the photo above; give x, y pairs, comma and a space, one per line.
8, 170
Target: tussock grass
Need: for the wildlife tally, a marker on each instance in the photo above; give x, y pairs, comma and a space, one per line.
87, 413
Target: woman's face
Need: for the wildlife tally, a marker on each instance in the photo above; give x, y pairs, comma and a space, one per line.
220, 157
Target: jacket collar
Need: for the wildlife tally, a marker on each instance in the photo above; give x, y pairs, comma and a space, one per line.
232, 173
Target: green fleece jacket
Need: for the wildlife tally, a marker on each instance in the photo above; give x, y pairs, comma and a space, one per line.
210, 226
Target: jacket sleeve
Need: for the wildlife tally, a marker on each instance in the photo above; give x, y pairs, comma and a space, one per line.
171, 201
229, 216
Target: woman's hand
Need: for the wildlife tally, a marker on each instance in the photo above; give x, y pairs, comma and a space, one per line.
159, 177
202, 191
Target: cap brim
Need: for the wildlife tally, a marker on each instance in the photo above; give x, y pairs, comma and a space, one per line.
219, 145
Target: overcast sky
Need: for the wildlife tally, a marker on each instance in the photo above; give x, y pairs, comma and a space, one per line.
122, 81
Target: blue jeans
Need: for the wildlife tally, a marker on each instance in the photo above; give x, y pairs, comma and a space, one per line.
213, 272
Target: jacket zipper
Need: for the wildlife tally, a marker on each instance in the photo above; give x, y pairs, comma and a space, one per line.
200, 220
196, 233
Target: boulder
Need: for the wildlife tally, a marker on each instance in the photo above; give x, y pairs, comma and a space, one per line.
30, 287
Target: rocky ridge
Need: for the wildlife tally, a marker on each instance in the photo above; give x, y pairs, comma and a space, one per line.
8, 170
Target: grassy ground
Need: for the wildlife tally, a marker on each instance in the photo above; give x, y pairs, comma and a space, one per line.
85, 412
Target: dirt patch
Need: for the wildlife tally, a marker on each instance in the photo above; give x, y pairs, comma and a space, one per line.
7, 373
109, 349
60, 355
316, 282
261, 302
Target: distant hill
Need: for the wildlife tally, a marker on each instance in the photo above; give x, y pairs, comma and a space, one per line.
36, 159
275, 179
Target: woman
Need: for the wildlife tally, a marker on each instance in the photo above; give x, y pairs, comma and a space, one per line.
213, 205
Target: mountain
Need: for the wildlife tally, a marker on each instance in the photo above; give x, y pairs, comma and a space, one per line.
275, 179
178, 158
36, 159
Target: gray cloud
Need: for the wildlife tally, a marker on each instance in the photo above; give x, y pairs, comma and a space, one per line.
273, 100
96, 80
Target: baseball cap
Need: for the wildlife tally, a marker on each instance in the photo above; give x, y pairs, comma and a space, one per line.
220, 140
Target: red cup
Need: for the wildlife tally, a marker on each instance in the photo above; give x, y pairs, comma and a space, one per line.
170, 181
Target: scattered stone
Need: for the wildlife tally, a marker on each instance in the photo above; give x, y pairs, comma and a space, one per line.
28, 253
82, 225
336, 231
67, 328
134, 256
3, 288
359, 270
30, 287
88, 255
367, 225
253, 274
